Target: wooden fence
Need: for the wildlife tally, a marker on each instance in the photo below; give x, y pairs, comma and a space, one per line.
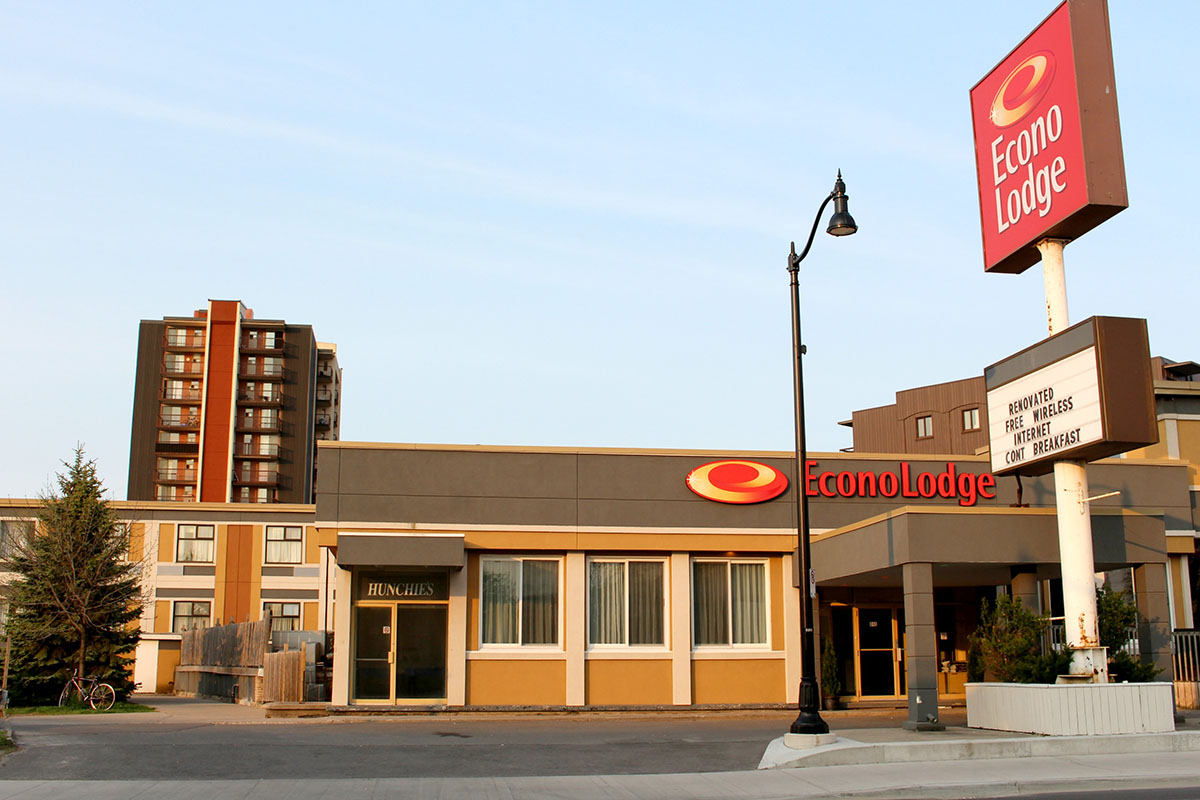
283, 677
241, 644
1187, 655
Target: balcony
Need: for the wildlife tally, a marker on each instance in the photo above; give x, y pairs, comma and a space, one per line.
325, 370
188, 368
258, 424
256, 477
176, 476
257, 450
261, 370
190, 422
177, 448
325, 396
261, 398
177, 340
262, 344
323, 420
182, 394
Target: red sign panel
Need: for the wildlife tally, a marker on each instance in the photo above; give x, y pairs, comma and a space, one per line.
737, 481
1047, 138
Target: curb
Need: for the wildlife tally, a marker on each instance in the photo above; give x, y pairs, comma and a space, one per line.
847, 752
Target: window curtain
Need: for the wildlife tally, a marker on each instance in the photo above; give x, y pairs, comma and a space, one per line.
748, 584
710, 612
606, 602
500, 582
645, 602
539, 602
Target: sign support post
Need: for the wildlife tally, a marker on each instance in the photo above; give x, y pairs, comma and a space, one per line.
1089, 661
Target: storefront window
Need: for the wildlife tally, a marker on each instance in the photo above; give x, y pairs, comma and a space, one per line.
519, 600
625, 602
729, 603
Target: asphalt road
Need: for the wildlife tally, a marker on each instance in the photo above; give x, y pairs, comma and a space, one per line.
103, 748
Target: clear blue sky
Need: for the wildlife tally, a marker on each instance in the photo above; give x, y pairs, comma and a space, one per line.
545, 224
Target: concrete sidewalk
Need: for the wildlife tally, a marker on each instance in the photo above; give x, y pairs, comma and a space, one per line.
875, 758
946, 779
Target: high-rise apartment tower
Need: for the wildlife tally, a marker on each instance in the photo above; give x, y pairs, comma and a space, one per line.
229, 408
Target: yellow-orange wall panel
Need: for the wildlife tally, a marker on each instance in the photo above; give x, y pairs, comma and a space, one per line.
137, 539
166, 542
776, 581
629, 683
512, 683
312, 548
162, 616
308, 619
168, 660
738, 681
472, 601
691, 542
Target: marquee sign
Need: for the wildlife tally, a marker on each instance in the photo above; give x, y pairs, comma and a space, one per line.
1085, 393
1048, 152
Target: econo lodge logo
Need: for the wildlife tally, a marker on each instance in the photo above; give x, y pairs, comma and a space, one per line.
1023, 89
737, 481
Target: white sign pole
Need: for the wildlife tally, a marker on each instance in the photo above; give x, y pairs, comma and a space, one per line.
1088, 661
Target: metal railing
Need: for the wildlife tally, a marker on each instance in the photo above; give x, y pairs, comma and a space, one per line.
258, 476
258, 424
260, 397
188, 423
1186, 647
262, 343
262, 370
182, 394
177, 474
184, 368
1055, 638
181, 339
263, 450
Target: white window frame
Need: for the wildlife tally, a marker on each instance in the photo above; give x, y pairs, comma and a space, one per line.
559, 615
179, 538
974, 413
766, 565
923, 418
175, 604
285, 528
666, 610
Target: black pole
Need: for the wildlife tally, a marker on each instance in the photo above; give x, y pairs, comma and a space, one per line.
809, 720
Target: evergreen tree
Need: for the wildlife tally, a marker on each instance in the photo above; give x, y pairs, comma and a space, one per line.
77, 599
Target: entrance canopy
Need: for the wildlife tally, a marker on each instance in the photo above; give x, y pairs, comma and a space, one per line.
975, 546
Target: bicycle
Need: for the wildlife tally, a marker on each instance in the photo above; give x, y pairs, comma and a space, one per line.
99, 696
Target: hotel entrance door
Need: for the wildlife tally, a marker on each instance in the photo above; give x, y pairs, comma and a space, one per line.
400, 646
879, 643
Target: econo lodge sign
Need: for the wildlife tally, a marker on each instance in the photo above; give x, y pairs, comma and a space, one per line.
1047, 138
742, 482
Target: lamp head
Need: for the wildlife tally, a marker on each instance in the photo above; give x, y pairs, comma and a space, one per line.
841, 223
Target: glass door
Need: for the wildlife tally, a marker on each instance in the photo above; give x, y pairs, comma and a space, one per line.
420, 652
876, 641
373, 653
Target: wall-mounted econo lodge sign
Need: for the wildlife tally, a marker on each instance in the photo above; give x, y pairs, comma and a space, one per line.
1085, 393
744, 482
1048, 138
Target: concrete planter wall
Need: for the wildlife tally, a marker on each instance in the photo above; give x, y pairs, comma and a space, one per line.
1071, 709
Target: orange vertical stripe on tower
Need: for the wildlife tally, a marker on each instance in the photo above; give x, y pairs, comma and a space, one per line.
218, 400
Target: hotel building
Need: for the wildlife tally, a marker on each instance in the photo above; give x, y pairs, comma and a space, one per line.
229, 408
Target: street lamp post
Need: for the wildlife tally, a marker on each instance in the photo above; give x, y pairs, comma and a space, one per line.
840, 224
